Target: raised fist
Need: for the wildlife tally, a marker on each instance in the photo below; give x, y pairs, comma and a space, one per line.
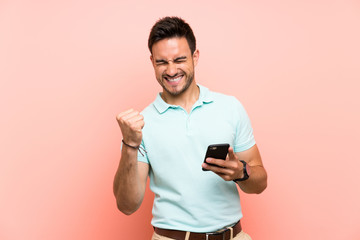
131, 123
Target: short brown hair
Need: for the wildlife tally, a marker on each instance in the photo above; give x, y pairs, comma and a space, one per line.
169, 27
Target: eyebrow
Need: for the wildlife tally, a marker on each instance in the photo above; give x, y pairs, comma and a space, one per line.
180, 58
165, 61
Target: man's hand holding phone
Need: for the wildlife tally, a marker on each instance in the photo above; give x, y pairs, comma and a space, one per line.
229, 169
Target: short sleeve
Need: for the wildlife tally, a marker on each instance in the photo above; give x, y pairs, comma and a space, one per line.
142, 154
141, 158
244, 138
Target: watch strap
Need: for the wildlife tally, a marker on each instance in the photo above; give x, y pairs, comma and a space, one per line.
246, 175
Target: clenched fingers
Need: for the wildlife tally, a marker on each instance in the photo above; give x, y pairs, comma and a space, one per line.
131, 123
127, 115
120, 115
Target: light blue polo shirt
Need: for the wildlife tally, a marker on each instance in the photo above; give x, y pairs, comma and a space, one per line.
187, 198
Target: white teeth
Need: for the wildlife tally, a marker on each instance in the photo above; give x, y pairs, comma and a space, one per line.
175, 79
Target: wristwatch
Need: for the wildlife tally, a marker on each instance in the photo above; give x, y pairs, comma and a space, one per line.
246, 172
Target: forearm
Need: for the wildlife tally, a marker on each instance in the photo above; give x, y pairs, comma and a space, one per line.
257, 181
128, 187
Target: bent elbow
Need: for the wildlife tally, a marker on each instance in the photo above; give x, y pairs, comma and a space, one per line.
260, 190
263, 186
126, 209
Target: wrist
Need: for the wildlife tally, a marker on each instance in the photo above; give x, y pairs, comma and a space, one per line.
134, 147
128, 149
245, 172
130, 145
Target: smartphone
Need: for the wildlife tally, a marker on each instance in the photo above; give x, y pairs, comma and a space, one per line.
218, 151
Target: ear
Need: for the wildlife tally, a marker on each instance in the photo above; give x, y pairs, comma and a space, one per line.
151, 59
196, 56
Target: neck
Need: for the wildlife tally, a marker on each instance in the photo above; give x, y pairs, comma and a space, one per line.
186, 99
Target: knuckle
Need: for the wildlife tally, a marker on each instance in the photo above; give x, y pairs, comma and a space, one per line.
227, 178
132, 125
122, 121
118, 117
214, 161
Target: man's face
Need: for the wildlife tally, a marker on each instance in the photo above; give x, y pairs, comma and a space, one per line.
174, 64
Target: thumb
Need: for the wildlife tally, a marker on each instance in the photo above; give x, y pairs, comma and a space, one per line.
231, 154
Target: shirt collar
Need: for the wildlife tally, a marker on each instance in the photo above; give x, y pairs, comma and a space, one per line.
205, 97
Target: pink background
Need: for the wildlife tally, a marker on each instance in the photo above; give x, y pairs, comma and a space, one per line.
68, 67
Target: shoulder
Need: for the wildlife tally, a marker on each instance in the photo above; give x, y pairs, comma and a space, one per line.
149, 110
153, 111
222, 98
230, 105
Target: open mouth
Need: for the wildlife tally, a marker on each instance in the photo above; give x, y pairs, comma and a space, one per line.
174, 79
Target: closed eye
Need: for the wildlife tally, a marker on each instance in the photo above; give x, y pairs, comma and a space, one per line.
161, 62
176, 60
180, 59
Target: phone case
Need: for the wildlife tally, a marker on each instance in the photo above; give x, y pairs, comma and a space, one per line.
218, 151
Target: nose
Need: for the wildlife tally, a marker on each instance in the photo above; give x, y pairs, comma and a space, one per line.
171, 69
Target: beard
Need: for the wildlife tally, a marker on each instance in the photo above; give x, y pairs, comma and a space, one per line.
172, 91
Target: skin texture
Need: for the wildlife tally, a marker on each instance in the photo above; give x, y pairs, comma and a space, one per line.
232, 168
174, 66
172, 59
130, 179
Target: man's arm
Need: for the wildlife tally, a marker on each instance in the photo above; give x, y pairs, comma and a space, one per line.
232, 168
131, 176
130, 181
257, 181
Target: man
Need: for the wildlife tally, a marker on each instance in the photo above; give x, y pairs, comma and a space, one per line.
180, 124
